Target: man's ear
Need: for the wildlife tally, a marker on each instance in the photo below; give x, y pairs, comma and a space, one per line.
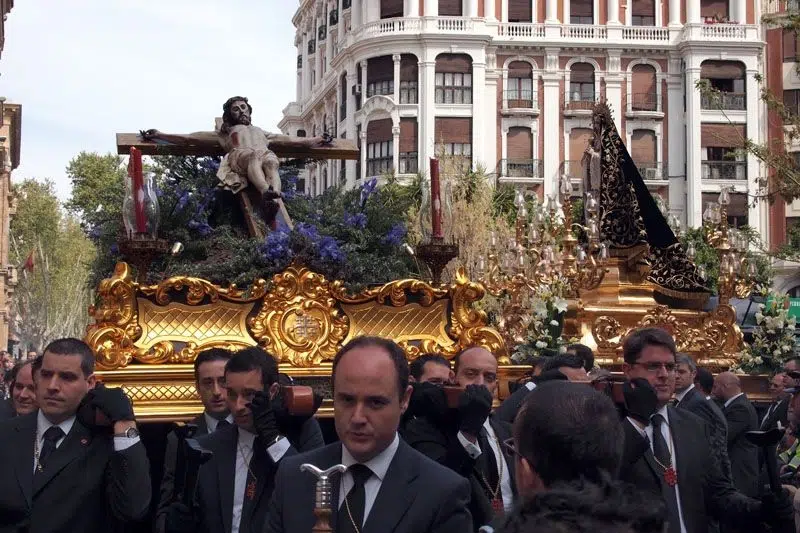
273, 390
626, 368
528, 481
405, 398
452, 377
91, 381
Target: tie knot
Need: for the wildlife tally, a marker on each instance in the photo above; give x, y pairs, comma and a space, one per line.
222, 423
360, 473
53, 434
657, 419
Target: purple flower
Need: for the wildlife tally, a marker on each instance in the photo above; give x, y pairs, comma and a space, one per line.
115, 248
357, 220
183, 200
367, 189
276, 245
308, 231
395, 235
200, 227
209, 164
95, 233
329, 249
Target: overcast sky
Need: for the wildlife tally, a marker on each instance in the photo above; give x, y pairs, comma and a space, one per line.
86, 69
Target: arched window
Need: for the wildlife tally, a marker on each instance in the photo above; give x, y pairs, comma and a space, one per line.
519, 148
453, 79
644, 153
643, 88
380, 76
519, 91
581, 83
578, 141
343, 97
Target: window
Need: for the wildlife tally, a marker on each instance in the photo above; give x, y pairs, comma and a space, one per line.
727, 77
408, 92
391, 8
789, 45
301, 133
453, 88
409, 163
409, 72
520, 11
461, 154
450, 8
343, 97
581, 83
379, 158
712, 11
643, 13
581, 12
519, 88
644, 94
384, 87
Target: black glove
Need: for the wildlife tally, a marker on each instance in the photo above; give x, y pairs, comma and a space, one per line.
289, 424
179, 519
264, 419
641, 400
428, 401
777, 510
474, 406
113, 403
550, 375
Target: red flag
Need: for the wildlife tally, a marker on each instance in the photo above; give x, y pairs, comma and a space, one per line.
29, 262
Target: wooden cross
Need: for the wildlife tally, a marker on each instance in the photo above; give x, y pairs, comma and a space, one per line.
207, 143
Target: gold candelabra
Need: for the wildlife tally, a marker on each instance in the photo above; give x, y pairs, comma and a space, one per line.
737, 272
548, 257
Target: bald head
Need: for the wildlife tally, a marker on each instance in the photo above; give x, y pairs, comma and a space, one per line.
476, 366
726, 386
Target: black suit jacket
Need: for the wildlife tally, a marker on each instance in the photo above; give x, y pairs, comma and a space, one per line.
717, 427
168, 479
779, 413
507, 411
86, 485
417, 495
703, 489
213, 502
443, 446
6, 409
741, 417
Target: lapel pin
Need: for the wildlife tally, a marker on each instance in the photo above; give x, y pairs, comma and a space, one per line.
84, 441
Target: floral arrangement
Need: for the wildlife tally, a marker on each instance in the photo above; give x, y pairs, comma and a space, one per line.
773, 338
545, 326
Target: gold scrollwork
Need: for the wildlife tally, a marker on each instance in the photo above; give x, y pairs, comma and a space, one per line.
468, 324
396, 291
198, 289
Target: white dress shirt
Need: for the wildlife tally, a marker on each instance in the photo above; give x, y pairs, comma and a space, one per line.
43, 424
730, 400
667, 434
378, 465
212, 422
474, 451
679, 396
244, 452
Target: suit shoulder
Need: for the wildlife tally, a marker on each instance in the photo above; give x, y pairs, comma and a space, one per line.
685, 417
318, 457
434, 473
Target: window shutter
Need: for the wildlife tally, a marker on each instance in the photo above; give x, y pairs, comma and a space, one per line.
391, 8
722, 70
408, 135
643, 8
454, 63
722, 135
450, 8
380, 69
581, 73
643, 80
452, 130
520, 11
409, 71
578, 141
643, 146
520, 69
789, 45
379, 130
520, 143
581, 8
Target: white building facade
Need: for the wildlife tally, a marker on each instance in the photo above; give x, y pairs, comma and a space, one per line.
509, 85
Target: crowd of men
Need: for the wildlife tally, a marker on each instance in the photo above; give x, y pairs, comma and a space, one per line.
423, 448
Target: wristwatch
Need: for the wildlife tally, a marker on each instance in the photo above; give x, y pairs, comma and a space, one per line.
130, 433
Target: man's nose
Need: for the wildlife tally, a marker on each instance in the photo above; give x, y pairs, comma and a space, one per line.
358, 414
217, 390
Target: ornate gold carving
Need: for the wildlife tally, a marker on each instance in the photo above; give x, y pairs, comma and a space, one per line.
299, 316
298, 321
711, 337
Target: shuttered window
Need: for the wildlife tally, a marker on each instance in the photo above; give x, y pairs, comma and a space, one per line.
408, 146
581, 83
519, 144
379, 146
519, 91
380, 76
722, 135
714, 9
453, 79
520, 11
455, 136
643, 88
391, 8
643, 13
581, 12
789, 45
409, 72
450, 8
578, 141
643, 148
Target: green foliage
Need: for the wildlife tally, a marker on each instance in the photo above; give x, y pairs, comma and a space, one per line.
50, 301
706, 255
98, 184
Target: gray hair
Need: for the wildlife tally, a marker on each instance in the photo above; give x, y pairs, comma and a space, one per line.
683, 359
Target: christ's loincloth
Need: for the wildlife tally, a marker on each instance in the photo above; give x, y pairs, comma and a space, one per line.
232, 171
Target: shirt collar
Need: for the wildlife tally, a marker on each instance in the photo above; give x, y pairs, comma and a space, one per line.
212, 422
245, 437
664, 412
681, 395
733, 398
43, 424
378, 464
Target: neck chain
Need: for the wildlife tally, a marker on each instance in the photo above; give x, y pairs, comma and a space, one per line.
493, 492
245, 459
36, 451
670, 447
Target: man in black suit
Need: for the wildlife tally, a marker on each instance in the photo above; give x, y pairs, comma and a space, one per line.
234, 487
558, 367
388, 486
777, 413
466, 439
741, 417
22, 399
61, 472
209, 381
667, 451
430, 368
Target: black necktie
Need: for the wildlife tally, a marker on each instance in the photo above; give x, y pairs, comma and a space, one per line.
351, 514
664, 459
255, 470
488, 463
222, 424
51, 437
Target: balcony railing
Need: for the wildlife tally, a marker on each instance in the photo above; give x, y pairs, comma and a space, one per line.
454, 24
525, 30
396, 25
652, 171
583, 31
644, 102
516, 99
723, 100
580, 102
521, 168
724, 170
645, 33
720, 32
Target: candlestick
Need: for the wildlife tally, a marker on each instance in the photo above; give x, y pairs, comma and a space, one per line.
436, 200
135, 173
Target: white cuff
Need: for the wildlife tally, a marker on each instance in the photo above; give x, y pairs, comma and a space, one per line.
530, 385
278, 450
123, 443
473, 450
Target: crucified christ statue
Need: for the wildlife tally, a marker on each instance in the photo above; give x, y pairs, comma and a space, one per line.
248, 158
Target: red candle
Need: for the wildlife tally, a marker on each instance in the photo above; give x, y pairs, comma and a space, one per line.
436, 200
135, 173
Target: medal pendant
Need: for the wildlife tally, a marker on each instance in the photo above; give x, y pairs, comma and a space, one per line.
670, 476
497, 506
250, 491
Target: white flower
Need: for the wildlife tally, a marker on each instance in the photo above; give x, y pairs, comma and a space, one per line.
560, 304
776, 353
540, 308
758, 360
759, 318
554, 322
540, 344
